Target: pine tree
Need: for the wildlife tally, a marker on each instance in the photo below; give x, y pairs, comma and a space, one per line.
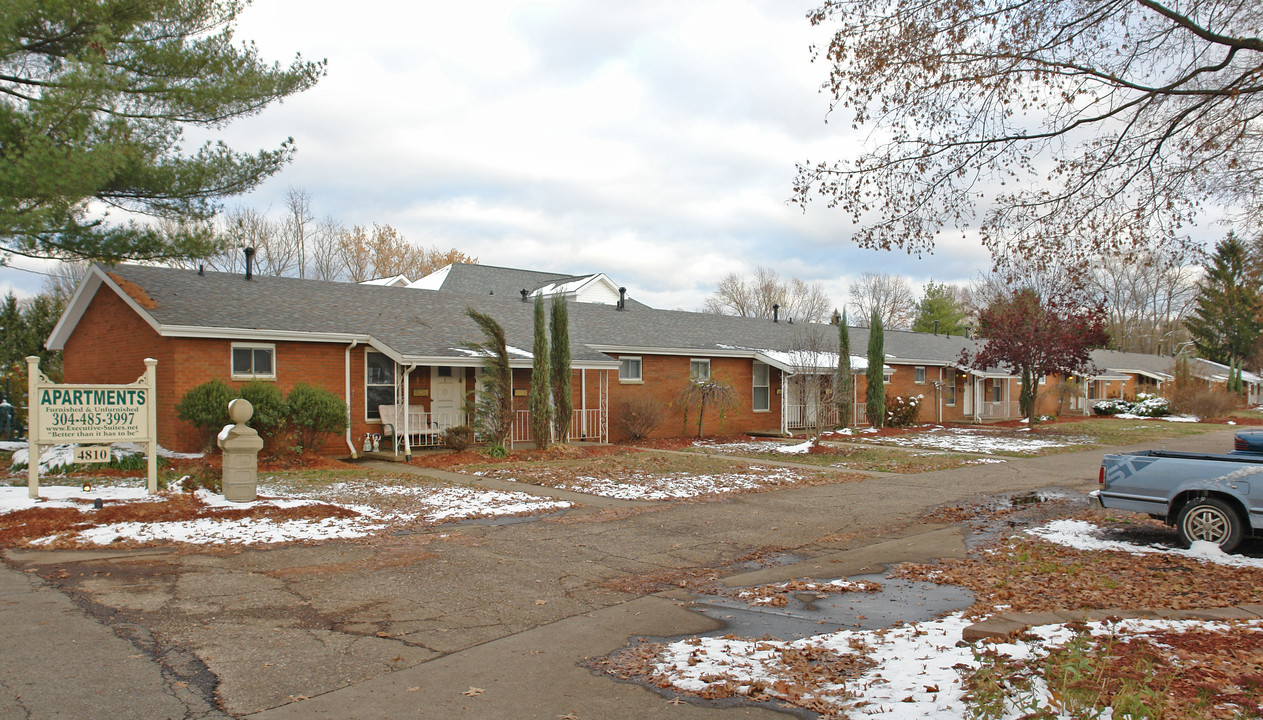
97, 98
541, 407
941, 305
875, 397
843, 377
1225, 321
563, 407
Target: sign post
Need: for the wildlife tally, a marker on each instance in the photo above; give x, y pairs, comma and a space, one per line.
91, 414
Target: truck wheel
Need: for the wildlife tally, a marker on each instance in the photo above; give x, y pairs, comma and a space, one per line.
1210, 520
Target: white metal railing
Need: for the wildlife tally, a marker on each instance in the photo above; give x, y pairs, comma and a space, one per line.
585, 424
999, 410
800, 416
424, 429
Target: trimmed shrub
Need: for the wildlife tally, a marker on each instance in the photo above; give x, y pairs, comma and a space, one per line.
206, 408
314, 413
638, 417
458, 438
269, 407
1111, 407
1151, 406
901, 412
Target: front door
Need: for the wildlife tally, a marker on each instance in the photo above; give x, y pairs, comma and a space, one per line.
447, 396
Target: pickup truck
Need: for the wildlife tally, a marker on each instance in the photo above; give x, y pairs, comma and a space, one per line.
1213, 498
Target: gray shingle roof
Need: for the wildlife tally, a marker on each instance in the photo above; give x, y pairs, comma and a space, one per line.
418, 324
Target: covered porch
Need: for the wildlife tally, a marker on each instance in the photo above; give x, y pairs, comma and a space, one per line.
416, 403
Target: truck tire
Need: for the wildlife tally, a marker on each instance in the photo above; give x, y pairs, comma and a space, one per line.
1212, 520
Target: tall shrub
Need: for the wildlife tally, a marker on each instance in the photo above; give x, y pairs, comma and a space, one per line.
541, 382
875, 397
314, 413
269, 407
563, 407
206, 408
844, 377
494, 411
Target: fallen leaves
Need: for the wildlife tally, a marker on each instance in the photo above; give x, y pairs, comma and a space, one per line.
473, 692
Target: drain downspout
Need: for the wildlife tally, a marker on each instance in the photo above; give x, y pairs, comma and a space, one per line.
350, 445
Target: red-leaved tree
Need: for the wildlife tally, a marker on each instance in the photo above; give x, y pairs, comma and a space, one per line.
1032, 337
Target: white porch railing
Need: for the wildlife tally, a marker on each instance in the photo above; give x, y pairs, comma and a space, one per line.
999, 410
423, 429
799, 417
585, 424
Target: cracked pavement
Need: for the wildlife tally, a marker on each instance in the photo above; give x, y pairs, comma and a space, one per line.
369, 628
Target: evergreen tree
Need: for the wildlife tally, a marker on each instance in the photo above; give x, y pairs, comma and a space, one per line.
97, 96
541, 382
1225, 323
940, 304
875, 397
563, 407
843, 377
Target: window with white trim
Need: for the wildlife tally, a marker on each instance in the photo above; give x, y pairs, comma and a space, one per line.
379, 383
699, 369
920, 376
762, 393
629, 369
254, 360
949, 389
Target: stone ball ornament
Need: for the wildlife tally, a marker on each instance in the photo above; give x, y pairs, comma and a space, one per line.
240, 411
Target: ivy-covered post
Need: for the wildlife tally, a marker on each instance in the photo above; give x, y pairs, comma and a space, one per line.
563, 406
875, 396
844, 377
541, 382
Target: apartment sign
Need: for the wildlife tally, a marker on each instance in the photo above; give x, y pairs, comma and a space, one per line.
91, 414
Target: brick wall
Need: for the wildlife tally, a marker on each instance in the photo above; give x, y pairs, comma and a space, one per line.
663, 377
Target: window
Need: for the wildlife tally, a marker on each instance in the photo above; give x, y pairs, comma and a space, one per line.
762, 389
949, 389
379, 383
699, 369
253, 361
629, 369
997, 390
920, 376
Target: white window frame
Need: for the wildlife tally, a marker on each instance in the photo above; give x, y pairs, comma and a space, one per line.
367, 385
949, 389
919, 377
697, 363
624, 362
767, 385
232, 364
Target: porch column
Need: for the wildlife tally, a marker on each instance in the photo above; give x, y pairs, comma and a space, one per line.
407, 416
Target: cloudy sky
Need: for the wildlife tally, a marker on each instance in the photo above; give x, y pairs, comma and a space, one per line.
654, 141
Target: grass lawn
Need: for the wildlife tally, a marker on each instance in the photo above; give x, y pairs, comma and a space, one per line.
846, 457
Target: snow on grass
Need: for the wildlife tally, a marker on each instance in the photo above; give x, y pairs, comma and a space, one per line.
378, 507
680, 485
1083, 535
55, 456
755, 447
915, 673
1167, 418
981, 441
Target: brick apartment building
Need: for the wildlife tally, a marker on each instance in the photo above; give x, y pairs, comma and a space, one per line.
402, 344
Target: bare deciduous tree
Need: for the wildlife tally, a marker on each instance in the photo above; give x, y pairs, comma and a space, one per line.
890, 296
1057, 127
324, 258
63, 278
298, 220
755, 296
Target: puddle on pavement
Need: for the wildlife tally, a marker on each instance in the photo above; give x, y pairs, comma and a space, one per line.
812, 613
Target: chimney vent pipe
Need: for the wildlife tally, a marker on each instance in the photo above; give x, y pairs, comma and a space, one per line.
776, 313
249, 263
622, 298
524, 293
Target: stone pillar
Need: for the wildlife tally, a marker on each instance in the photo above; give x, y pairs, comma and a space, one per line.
241, 446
